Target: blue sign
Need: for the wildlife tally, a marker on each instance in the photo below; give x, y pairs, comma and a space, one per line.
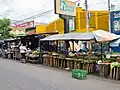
115, 22
115, 27
65, 7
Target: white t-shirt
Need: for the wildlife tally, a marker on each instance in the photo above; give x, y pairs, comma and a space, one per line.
23, 49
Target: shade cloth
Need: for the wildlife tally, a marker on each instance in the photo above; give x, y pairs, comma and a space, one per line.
52, 37
69, 36
104, 36
115, 43
99, 35
78, 36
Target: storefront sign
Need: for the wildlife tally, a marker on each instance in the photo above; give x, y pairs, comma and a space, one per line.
115, 22
25, 25
65, 7
18, 32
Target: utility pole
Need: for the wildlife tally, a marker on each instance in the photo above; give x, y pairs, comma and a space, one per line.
87, 17
109, 17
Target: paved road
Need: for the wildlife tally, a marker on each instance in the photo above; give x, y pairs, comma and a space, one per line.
18, 76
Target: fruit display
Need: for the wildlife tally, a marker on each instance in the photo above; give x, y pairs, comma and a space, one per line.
36, 52
118, 59
54, 53
115, 64
71, 54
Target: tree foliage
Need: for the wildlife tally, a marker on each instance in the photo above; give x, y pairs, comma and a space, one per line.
4, 28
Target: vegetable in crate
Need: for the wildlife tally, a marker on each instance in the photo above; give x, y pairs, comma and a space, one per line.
118, 59
54, 53
36, 52
71, 54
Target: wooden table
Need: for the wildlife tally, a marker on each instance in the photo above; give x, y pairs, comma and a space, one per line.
47, 60
115, 73
70, 63
88, 66
104, 70
55, 60
32, 58
9, 55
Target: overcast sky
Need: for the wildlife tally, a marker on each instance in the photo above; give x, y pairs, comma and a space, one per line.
20, 9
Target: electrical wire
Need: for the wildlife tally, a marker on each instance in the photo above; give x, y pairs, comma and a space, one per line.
33, 11
36, 16
5, 3
30, 13
32, 17
44, 13
2, 2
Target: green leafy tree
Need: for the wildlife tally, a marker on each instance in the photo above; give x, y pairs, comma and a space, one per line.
4, 28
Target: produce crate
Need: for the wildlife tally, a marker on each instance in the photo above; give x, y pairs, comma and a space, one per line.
79, 74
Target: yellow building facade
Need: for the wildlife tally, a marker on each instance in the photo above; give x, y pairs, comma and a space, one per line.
97, 20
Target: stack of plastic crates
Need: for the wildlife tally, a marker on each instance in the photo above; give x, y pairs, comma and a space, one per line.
79, 74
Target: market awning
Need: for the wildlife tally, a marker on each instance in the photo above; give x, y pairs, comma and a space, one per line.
104, 36
69, 36
99, 35
78, 36
1, 41
115, 43
52, 37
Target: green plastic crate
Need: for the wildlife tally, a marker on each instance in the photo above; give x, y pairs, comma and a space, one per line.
79, 74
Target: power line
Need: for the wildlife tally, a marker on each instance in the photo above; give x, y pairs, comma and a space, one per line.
44, 13
25, 15
5, 3
33, 11
35, 16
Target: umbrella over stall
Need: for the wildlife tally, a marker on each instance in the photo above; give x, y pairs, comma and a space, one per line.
98, 35
104, 36
115, 43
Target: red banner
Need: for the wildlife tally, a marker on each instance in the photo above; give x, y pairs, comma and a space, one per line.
24, 25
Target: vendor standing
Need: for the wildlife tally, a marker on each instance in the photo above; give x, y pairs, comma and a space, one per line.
23, 51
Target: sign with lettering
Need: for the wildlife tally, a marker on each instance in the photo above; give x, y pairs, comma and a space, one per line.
18, 32
25, 25
65, 7
115, 22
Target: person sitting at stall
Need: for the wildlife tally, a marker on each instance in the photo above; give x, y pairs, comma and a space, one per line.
23, 51
12, 46
28, 51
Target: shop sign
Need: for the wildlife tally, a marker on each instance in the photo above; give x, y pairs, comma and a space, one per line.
65, 7
24, 25
18, 32
117, 15
115, 22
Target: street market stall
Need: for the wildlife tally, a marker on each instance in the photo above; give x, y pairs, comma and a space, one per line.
84, 60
